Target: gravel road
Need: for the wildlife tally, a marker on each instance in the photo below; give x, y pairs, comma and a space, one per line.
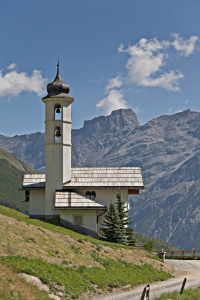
190, 269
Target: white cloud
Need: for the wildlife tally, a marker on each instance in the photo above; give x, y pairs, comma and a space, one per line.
114, 82
95, 80
185, 47
170, 110
13, 83
168, 81
137, 110
12, 66
113, 101
186, 101
148, 57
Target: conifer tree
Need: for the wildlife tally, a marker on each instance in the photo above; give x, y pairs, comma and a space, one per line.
125, 219
112, 226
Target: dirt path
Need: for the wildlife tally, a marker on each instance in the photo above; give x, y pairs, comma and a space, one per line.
189, 269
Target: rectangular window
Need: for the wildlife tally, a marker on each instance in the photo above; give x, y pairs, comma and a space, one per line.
26, 196
78, 220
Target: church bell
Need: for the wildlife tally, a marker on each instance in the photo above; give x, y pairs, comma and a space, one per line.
58, 134
58, 110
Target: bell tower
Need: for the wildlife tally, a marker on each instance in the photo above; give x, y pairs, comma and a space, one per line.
57, 140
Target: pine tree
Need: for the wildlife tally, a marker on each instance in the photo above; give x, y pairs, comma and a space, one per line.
112, 226
125, 219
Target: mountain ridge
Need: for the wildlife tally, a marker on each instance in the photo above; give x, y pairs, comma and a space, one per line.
168, 150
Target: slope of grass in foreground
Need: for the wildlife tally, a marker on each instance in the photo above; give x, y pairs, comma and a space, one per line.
187, 295
110, 273
12, 287
79, 264
51, 225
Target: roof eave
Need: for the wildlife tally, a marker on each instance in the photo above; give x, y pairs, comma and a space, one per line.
24, 188
79, 207
103, 187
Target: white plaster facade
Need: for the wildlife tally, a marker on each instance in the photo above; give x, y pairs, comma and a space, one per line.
61, 193
37, 203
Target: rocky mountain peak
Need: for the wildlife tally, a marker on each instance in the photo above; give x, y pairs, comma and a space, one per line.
118, 119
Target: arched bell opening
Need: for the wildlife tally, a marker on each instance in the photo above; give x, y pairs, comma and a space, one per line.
58, 112
57, 134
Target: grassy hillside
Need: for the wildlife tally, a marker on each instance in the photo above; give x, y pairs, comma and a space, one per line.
188, 294
159, 244
16, 162
10, 181
78, 266
12, 170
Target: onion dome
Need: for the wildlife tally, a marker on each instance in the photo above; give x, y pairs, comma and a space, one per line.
57, 88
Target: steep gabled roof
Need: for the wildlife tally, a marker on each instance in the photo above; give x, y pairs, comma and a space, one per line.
97, 177
106, 177
71, 200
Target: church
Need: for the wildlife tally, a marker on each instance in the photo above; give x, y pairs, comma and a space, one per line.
79, 197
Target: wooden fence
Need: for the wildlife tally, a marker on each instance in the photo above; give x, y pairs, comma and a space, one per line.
138, 245
182, 253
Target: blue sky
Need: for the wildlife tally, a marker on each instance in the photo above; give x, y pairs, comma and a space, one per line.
143, 55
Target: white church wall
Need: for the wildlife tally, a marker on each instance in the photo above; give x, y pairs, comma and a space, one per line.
89, 217
53, 176
105, 197
37, 204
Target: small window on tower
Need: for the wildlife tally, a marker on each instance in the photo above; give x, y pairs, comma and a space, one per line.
58, 112
58, 134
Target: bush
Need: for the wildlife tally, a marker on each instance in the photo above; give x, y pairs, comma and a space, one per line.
149, 246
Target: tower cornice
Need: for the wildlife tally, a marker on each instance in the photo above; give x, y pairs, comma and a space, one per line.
58, 98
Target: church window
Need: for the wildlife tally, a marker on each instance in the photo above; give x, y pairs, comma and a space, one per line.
57, 112
87, 195
58, 134
27, 196
90, 195
78, 220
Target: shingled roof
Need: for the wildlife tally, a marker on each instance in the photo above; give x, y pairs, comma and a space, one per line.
99, 177
71, 200
106, 177
34, 181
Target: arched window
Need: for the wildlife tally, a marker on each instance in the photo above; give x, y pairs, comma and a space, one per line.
57, 112
90, 195
58, 134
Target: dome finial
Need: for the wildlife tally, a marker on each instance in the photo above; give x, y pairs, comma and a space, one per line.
58, 72
58, 68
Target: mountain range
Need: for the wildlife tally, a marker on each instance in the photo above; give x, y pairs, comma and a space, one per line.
12, 171
168, 150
